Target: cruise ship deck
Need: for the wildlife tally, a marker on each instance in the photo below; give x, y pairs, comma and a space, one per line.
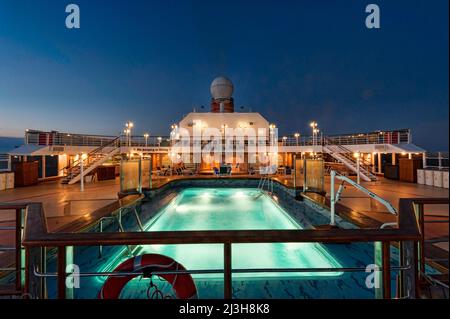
317, 210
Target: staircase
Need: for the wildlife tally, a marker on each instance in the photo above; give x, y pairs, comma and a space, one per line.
94, 159
344, 156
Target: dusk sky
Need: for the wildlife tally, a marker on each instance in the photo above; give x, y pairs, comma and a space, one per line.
293, 61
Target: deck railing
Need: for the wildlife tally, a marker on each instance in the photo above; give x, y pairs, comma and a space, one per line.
436, 160
382, 137
17, 251
407, 234
420, 213
68, 139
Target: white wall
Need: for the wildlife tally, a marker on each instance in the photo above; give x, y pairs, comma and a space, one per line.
232, 120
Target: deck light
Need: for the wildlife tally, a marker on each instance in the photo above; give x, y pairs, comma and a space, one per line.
314, 125
297, 135
128, 126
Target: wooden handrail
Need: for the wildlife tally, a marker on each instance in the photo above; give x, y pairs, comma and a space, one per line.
36, 235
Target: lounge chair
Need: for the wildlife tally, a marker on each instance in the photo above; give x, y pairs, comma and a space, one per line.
186, 171
225, 170
159, 171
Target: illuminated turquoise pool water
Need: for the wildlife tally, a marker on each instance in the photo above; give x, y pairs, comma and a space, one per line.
232, 209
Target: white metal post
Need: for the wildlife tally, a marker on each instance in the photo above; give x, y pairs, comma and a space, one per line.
332, 197
440, 160
358, 173
372, 161
43, 164
424, 159
81, 174
379, 163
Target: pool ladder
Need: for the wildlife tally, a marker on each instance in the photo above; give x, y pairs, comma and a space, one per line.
118, 218
266, 180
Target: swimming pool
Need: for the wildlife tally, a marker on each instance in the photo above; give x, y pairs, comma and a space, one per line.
233, 209
209, 208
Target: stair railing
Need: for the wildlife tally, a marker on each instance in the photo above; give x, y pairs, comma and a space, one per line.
115, 142
345, 152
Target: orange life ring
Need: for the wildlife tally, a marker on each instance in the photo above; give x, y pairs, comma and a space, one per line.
182, 284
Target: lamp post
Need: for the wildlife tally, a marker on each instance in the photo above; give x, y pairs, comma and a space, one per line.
146, 135
315, 130
297, 135
128, 126
127, 136
159, 141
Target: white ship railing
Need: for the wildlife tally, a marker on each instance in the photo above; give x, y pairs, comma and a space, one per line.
69, 139
381, 137
5, 162
437, 160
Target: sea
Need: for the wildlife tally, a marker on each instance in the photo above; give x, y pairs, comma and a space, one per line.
9, 143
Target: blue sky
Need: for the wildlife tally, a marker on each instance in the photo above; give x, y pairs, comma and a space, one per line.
293, 61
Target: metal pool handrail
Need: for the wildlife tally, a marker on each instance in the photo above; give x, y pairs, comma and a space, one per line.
335, 198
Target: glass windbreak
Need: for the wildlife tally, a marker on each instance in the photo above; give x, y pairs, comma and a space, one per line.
130, 175
314, 175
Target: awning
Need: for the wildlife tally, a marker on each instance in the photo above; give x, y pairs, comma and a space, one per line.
28, 150
407, 148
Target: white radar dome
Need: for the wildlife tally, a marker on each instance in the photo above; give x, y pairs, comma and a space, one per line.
221, 88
